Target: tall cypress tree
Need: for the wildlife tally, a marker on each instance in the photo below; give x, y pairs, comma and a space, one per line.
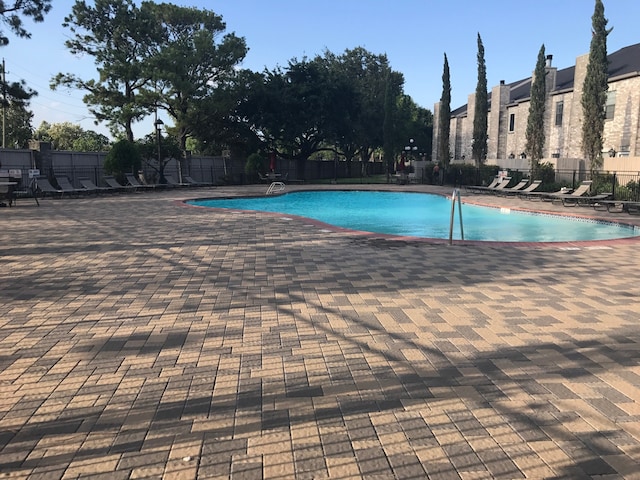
480, 137
535, 122
594, 94
444, 120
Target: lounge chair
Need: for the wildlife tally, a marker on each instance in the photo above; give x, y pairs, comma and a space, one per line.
45, 187
133, 181
534, 195
529, 189
519, 186
91, 187
618, 206
499, 186
194, 183
578, 192
66, 186
473, 188
117, 186
585, 201
173, 183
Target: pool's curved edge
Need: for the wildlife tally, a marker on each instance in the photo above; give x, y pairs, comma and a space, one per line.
568, 245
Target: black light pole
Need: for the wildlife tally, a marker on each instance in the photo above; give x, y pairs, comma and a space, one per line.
410, 149
158, 124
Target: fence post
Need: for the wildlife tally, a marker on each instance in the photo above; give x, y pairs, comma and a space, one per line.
613, 186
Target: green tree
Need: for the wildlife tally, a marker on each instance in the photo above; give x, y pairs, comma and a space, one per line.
292, 110
594, 94
13, 11
61, 135
90, 141
255, 165
123, 158
121, 38
480, 119
224, 124
42, 132
444, 119
16, 94
366, 74
192, 61
157, 159
329, 104
412, 122
535, 122
18, 129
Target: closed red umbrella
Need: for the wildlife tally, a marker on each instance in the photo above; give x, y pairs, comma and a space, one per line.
272, 161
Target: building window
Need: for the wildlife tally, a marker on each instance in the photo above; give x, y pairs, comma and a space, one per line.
512, 122
559, 110
610, 108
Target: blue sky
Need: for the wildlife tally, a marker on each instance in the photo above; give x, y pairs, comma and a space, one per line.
414, 34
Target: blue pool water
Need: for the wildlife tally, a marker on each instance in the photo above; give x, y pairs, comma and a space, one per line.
425, 215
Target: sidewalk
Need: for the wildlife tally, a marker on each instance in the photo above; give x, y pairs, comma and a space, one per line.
141, 338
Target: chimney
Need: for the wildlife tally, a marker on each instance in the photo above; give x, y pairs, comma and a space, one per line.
549, 58
501, 82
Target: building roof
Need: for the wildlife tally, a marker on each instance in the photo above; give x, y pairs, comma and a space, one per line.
622, 62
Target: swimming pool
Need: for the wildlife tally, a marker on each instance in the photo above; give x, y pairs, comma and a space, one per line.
425, 215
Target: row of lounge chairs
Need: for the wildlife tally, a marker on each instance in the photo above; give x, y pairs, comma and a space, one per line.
66, 188
499, 187
577, 197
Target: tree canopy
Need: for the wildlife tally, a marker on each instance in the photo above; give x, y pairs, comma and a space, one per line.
121, 38
193, 61
11, 13
594, 93
69, 136
155, 56
334, 104
18, 129
480, 119
535, 122
16, 95
444, 118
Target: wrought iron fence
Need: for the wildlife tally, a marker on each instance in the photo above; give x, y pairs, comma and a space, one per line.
621, 185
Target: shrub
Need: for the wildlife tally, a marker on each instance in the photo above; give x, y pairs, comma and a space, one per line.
124, 157
255, 164
545, 172
602, 182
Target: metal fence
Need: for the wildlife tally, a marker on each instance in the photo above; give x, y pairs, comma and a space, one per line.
211, 170
622, 185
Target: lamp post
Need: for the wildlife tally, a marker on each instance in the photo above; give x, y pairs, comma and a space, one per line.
410, 150
158, 124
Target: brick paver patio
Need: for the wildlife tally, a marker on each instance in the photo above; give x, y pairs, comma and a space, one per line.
140, 338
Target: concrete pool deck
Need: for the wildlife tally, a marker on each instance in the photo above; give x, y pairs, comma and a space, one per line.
142, 338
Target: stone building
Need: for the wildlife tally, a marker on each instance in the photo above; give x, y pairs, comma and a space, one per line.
509, 110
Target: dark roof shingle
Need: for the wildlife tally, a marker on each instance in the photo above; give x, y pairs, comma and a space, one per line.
621, 62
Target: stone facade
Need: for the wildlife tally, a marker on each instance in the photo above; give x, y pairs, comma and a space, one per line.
509, 111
